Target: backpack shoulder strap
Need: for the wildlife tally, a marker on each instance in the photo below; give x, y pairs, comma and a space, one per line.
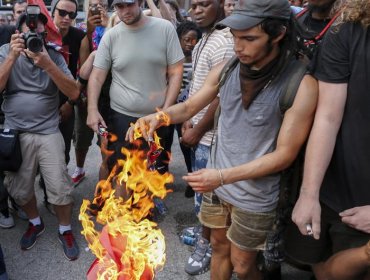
229, 66
291, 86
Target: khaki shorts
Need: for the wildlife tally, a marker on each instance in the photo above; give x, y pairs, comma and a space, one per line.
246, 230
46, 152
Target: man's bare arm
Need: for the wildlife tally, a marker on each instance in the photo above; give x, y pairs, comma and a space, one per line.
293, 132
182, 111
96, 81
174, 73
320, 147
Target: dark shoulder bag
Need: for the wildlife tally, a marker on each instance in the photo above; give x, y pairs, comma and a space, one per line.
10, 150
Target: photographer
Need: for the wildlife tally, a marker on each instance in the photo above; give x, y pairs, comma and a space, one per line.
31, 78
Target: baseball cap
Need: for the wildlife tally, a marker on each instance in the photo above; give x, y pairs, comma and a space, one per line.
115, 2
249, 13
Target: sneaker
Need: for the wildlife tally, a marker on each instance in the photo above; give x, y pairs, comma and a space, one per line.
77, 177
6, 221
70, 247
28, 239
192, 231
200, 259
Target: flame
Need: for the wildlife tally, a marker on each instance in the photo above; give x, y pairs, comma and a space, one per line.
129, 246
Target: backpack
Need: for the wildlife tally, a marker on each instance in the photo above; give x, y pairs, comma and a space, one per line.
307, 40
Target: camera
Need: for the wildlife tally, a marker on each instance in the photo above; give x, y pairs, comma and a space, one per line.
34, 41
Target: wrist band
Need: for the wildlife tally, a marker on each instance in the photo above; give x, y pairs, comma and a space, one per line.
82, 81
221, 177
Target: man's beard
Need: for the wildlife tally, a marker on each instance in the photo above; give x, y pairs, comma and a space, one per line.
135, 20
323, 8
267, 50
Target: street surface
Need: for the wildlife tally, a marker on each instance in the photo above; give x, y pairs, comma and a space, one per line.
45, 261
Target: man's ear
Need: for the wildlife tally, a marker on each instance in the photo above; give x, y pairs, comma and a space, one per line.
280, 36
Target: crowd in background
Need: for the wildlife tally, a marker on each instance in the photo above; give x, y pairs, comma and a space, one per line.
220, 71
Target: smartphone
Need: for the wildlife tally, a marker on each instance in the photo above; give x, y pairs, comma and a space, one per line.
95, 10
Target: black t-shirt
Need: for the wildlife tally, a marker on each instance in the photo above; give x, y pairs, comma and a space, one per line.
309, 29
72, 44
344, 57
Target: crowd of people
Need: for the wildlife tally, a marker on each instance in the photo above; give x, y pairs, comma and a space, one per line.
268, 99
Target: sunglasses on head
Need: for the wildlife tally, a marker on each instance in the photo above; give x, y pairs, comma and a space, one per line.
63, 13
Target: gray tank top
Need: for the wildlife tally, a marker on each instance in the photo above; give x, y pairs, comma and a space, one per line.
244, 135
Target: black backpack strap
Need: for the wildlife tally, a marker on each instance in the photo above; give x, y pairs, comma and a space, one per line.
229, 66
291, 86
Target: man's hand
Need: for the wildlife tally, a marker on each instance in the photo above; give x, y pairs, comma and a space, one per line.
307, 212
204, 180
17, 45
357, 218
65, 112
97, 20
190, 135
146, 125
40, 59
94, 119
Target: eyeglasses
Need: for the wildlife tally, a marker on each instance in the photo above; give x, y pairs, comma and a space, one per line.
63, 13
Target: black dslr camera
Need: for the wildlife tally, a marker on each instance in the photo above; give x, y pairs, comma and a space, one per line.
34, 41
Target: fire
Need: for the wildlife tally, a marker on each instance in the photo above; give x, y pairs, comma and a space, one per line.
129, 246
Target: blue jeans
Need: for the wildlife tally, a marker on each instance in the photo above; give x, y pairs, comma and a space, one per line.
199, 159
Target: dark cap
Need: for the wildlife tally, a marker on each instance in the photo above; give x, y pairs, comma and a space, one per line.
249, 13
115, 2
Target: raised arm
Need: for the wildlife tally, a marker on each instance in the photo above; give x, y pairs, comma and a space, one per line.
182, 111
293, 133
320, 147
15, 48
65, 84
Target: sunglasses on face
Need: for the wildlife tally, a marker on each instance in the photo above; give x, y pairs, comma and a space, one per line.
63, 13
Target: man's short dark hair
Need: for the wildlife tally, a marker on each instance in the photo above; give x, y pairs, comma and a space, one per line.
18, 2
273, 28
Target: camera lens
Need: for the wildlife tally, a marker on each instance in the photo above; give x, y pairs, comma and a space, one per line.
34, 44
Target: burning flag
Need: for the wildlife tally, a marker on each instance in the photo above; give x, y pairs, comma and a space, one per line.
129, 247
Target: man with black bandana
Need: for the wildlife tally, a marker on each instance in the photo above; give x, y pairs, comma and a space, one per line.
254, 142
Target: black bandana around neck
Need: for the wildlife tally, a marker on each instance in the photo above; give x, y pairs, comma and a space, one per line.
252, 82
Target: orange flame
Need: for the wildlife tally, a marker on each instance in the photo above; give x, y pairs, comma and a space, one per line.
129, 247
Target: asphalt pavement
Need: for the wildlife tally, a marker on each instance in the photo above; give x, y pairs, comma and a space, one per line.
45, 261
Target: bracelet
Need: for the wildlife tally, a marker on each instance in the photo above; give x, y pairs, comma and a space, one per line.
82, 81
221, 177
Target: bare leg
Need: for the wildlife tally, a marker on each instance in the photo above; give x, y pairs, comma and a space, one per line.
31, 208
64, 214
221, 267
80, 157
244, 263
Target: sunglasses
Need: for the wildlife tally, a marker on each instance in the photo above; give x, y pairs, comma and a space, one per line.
63, 13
